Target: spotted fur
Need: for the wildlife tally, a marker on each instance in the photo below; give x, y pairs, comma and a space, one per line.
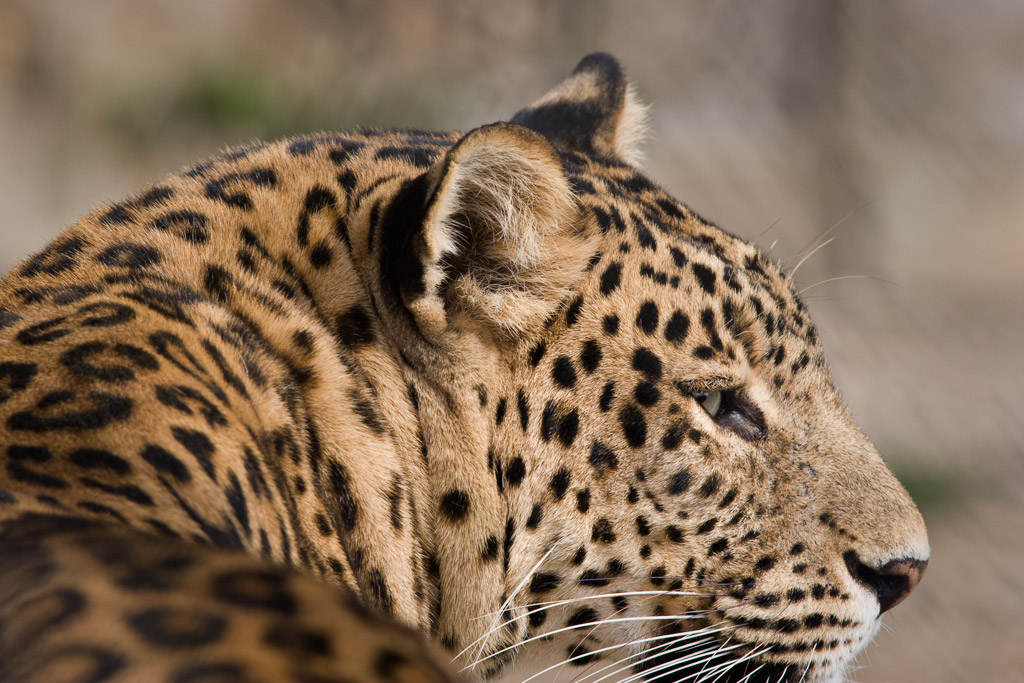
264, 418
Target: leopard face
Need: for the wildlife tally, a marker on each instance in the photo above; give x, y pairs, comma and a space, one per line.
498, 388
681, 472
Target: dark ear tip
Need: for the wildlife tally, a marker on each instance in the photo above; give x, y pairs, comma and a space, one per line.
605, 66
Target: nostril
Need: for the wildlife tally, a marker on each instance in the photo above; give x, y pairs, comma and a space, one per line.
891, 583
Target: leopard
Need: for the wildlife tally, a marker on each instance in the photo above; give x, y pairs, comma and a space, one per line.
402, 405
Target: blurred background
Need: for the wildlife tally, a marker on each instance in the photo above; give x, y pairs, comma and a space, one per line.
893, 131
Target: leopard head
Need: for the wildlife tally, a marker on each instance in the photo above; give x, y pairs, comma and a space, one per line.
683, 494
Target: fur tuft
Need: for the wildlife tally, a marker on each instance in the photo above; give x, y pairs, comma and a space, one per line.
501, 213
632, 128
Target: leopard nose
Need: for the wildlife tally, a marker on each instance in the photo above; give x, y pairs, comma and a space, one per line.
892, 582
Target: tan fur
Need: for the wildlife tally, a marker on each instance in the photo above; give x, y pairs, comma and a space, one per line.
632, 129
503, 212
455, 381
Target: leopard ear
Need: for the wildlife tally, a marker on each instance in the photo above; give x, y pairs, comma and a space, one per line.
501, 239
593, 111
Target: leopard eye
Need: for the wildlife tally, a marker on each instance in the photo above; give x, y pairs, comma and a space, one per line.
710, 401
732, 410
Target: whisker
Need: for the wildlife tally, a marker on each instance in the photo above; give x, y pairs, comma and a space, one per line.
768, 229
810, 661
574, 627
504, 606
723, 670
717, 653
725, 667
669, 647
700, 632
848, 277
809, 254
599, 651
745, 658
508, 601
584, 583
688, 660
709, 669
691, 614
633, 577
620, 611
701, 652
710, 657
599, 596
722, 647
751, 674
816, 240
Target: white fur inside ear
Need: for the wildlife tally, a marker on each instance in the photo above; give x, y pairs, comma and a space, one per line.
632, 129
443, 236
502, 239
500, 202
